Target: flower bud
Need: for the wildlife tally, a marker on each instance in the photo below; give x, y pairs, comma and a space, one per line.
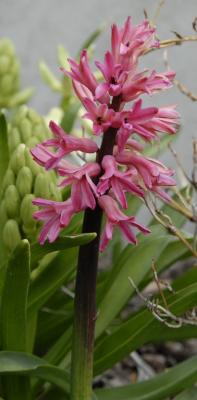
25, 129
9, 178
11, 234
14, 139
41, 186
34, 167
26, 211
18, 158
12, 201
24, 181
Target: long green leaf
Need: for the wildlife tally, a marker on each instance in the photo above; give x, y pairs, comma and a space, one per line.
45, 285
173, 252
14, 299
62, 243
14, 313
166, 384
16, 363
91, 39
70, 115
143, 328
190, 394
134, 262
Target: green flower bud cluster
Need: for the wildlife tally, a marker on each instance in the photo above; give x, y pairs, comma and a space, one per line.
9, 72
24, 179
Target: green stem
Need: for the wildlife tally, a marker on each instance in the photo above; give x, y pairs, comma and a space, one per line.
85, 311
85, 291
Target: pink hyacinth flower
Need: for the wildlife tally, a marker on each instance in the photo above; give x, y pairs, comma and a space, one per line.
120, 182
149, 121
65, 144
41, 155
131, 121
82, 72
114, 76
123, 135
153, 173
115, 217
83, 189
138, 84
82, 91
132, 41
166, 120
101, 116
55, 215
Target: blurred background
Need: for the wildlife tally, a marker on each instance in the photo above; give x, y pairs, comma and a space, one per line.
38, 27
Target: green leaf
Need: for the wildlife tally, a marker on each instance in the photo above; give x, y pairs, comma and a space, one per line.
16, 363
14, 314
4, 151
158, 147
91, 39
142, 328
173, 252
70, 115
166, 384
62, 243
49, 78
186, 279
133, 262
190, 394
53, 276
14, 299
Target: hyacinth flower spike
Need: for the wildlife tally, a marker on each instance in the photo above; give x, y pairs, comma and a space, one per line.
119, 168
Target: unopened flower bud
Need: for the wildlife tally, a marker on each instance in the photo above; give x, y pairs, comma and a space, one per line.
24, 181
9, 178
41, 186
25, 129
26, 211
11, 234
32, 142
18, 158
12, 201
14, 139
35, 168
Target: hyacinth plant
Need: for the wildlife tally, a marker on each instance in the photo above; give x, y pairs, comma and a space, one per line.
121, 128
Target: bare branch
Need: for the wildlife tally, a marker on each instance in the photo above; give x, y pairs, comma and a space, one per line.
164, 315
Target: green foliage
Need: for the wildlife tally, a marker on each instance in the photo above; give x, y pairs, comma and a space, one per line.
166, 384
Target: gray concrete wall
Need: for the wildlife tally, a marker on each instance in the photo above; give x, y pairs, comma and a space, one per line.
37, 27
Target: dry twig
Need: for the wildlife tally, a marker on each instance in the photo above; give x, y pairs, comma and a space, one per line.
163, 315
